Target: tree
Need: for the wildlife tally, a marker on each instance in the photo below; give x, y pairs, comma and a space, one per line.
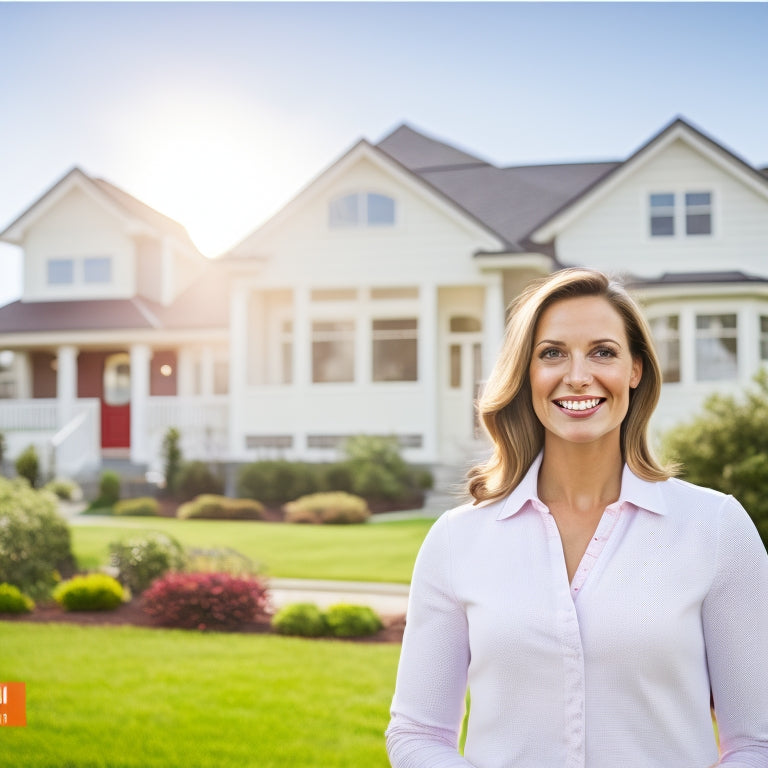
173, 458
726, 447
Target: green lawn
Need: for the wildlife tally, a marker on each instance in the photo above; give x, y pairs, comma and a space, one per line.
383, 552
145, 698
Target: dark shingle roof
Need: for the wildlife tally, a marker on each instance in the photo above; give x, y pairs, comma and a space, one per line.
697, 278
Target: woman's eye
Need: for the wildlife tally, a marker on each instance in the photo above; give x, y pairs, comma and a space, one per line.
604, 352
550, 354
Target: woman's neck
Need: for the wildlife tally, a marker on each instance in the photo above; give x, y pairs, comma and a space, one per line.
582, 477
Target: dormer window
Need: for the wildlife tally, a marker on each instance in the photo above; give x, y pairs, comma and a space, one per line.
362, 209
97, 269
689, 213
61, 271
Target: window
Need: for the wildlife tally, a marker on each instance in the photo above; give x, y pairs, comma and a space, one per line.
395, 350
286, 352
716, 347
764, 338
333, 351
97, 269
383, 294
362, 209
698, 213
662, 215
61, 271
666, 335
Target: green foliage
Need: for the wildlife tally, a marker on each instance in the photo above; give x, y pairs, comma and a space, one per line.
276, 482
28, 465
3, 451
333, 507
220, 560
12, 600
213, 507
93, 592
141, 506
346, 620
172, 457
726, 448
141, 560
195, 478
109, 490
64, 489
302, 619
34, 539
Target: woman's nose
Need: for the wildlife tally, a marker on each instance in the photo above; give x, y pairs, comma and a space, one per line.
578, 375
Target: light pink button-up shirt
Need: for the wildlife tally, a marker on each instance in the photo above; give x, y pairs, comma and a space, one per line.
611, 671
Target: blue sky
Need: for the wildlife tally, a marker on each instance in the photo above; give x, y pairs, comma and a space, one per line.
217, 114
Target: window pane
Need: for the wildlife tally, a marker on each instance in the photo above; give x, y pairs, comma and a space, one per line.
698, 198
394, 293
662, 215
381, 209
455, 373
220, 377
465, 324
333, 351
97, 270
698, 213
666, 200
345, 211
764, 338
700, 224
716, 347
60, 271
666, 336
395, 350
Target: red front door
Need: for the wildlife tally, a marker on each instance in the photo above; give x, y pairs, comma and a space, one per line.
116, 402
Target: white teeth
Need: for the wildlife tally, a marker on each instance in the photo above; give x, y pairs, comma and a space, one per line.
579, 405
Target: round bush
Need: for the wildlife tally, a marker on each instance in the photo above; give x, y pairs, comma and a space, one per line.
302, 619
64, 489
195, 478
346, 620
143, 506
12, 600
333, 507
141, 560
94, 592
213, 507
206, 600
276, 482
28, 465
35, 545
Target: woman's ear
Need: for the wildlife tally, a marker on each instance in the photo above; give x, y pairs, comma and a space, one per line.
637, 372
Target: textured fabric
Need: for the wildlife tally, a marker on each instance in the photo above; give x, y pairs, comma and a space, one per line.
611, 670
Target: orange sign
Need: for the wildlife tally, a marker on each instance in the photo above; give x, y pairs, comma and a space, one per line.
13, 704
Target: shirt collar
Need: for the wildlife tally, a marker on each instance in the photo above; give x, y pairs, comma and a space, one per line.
639, 493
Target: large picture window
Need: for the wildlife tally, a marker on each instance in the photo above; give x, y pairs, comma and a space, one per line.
395, 350
716, 347
333, 351
666, 336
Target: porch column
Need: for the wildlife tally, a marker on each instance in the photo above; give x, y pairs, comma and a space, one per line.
493, 321
428, 364
140, 358
66, 383
206, 371
302, 347
238, 370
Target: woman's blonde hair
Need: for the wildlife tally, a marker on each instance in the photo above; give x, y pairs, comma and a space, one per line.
506, 409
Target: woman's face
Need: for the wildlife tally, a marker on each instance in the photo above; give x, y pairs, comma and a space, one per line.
581, 371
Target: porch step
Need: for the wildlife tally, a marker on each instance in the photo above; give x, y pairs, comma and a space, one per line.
133, 481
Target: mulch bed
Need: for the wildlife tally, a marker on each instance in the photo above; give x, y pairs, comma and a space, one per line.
132, 614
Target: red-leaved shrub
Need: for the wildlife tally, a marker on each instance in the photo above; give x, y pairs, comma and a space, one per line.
206, 600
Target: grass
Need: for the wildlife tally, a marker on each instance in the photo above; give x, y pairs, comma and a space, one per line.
380, 552
147, 698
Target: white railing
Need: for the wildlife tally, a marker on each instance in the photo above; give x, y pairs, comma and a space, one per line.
29, 415
202, 422
76, 446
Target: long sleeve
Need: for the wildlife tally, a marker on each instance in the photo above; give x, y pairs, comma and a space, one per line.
428, 704
735, 617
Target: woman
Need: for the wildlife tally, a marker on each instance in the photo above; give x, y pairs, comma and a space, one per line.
590, 602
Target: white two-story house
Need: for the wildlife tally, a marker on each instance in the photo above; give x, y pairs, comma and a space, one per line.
374, 302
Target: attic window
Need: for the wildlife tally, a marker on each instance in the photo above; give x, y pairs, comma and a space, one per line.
97, 269
362, 209
61, 271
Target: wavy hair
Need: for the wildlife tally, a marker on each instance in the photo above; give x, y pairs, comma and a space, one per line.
506, 408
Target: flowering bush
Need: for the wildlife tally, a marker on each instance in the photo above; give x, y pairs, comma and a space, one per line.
206, 600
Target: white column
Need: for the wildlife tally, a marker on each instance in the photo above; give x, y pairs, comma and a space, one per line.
687, 345
238, 367
493, 320
66, 383
429, 340
140, 357
206, 370
302, 346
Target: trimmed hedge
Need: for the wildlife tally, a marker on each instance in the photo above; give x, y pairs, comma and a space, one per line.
302, 619
214, 507
141, 506
194, 478
346, 620
12, 600
206, 601
93, 592
341, 620
337, 508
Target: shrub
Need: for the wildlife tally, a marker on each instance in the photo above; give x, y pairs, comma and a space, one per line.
332, 507
64, 489
28, 465
211, 507
302, 619
141, 560
220, 560
35, 545
93, 592
276, 482
109, 490
352, 620
726, 447
12, 600
195, 478
206, 600
337, 477
142, 506
172, 457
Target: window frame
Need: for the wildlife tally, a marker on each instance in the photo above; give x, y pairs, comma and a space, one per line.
338, 219
410, 334
679, 212
701, 335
